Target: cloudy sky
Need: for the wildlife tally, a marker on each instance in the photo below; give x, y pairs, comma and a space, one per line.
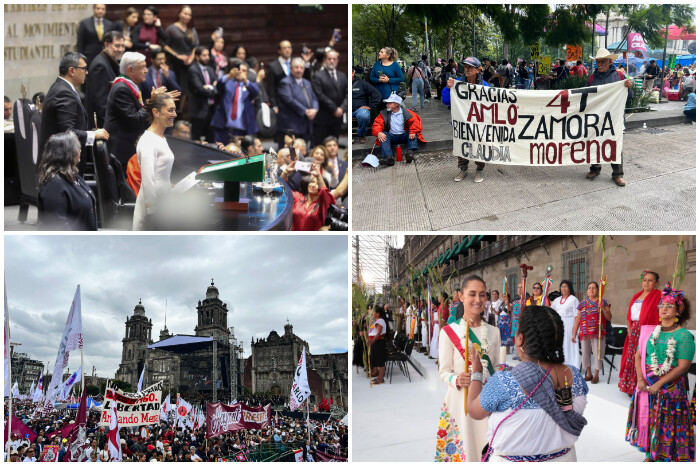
263, 280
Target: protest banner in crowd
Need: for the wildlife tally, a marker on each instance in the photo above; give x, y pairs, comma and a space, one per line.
223, 418
542, 128
133, 409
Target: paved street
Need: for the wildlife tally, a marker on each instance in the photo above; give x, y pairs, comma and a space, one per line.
660, 193
399, 420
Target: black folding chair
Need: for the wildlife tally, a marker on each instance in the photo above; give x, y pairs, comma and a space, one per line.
401, 359
619, 335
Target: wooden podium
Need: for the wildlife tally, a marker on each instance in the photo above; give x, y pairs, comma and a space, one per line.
232, 173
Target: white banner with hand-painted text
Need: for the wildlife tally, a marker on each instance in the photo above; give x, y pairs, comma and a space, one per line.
539, 128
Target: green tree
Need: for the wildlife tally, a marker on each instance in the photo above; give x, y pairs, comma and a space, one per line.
92, 390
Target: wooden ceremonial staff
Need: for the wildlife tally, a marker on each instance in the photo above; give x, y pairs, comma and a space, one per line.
603, 281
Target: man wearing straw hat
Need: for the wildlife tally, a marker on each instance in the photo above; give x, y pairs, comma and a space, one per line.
606, 74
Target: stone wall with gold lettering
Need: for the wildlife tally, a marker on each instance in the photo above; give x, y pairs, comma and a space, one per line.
36, 37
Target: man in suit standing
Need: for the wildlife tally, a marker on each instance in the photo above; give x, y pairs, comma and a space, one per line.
298, 105
339, 166
280, 68
202, 81
63, 110
91, 32
159, 74
126, 119
103, 70
331, 89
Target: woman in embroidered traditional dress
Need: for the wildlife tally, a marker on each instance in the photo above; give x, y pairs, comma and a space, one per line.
587, 327
660, 421
566, 306
642, 311
515, 314
460, 437
535, 411
504, 322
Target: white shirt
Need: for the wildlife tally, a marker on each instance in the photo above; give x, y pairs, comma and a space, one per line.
90, 134
636, 311
284, 62
373, 329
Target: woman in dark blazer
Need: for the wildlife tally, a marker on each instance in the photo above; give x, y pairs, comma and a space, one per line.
66, 202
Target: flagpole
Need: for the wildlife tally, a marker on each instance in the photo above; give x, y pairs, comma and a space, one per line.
8, 348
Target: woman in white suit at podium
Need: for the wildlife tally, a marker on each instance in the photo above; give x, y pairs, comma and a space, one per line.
155, 157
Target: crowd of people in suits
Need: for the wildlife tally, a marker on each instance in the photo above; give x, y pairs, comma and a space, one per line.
118, 82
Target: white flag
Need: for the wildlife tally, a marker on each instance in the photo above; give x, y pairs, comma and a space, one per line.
31, 390
113, 445
39, 392
138, 389
165, 408
64, 390
7, 374
15, 390
300, 388
71, 339
183, 408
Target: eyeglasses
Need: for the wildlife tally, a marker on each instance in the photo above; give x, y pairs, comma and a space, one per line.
84, 68
668, 305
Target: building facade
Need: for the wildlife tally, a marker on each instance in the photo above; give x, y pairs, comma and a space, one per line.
25, 371
271, 367
218, 367
572, 257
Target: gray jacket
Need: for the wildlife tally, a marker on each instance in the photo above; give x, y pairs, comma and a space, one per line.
608, 77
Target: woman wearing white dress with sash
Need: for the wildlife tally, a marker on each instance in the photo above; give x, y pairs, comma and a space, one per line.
460, 437
567, 307
155, 157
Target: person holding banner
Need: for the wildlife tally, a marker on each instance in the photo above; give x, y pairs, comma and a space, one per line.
606, 74
460, 437
534, 411
471, 75
660, 421
588, 326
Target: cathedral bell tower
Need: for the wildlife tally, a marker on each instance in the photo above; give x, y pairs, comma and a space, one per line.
134, 343
212, 316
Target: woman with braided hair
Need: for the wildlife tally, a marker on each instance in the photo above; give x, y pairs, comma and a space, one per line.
660, 421
535, 410
461, 437
643, 310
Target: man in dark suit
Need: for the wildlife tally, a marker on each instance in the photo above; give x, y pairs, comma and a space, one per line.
126, 119
331, 89
91, 32
63, 110
159, 74
280, 68
202, 82
298, 105
103, 70
339, 166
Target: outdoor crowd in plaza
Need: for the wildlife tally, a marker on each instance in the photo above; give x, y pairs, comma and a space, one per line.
534, 410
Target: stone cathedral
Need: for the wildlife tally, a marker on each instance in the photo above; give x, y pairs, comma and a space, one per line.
187, 365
